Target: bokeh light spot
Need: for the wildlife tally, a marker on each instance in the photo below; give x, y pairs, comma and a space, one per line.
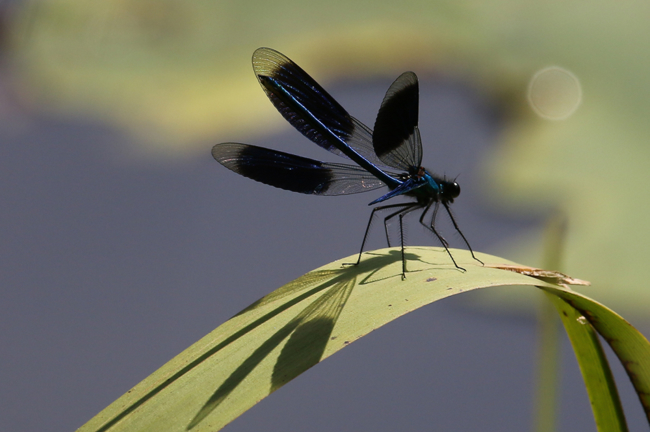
554, 93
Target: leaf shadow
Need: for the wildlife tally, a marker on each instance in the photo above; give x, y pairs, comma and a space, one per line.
378, 267
308, 334
312, 324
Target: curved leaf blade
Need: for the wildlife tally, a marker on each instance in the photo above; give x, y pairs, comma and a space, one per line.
630, 346
597, 375
288, 331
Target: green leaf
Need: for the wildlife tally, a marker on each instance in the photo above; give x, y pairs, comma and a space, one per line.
293, 328
597, 375
601, 388
631, 347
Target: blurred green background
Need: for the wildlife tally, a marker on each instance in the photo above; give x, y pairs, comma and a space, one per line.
166, 72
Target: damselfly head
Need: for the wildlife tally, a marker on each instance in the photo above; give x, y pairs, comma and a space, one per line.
449, 190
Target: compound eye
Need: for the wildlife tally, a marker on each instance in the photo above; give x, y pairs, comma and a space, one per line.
454, 190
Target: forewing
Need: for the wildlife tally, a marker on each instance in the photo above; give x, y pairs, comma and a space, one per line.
309, 108
396, 137
294, 173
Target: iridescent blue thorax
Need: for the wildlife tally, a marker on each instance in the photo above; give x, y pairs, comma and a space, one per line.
424, 187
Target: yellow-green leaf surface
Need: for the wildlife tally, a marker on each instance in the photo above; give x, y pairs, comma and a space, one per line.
631, 347
597, 375
293, 328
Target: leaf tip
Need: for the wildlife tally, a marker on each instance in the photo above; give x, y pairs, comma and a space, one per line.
545, 275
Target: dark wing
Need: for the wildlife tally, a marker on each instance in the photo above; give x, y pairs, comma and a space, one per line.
294, 173
314, 113
396, 138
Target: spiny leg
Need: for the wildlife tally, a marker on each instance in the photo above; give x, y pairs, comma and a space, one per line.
451, 216
409, 208
372, 215
433, 217
401, 234
386, 219
432, 227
